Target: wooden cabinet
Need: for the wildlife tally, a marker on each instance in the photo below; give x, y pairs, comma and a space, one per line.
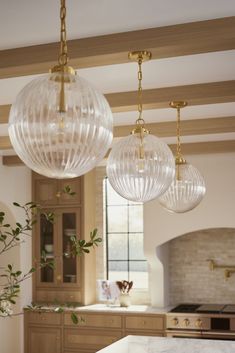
43, 339
48, 191
66, 280
94, 330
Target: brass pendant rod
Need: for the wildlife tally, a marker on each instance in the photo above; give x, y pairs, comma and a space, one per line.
178, 153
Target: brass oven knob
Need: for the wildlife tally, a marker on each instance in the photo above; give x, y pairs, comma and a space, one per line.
198, 323
186, 322
175, 321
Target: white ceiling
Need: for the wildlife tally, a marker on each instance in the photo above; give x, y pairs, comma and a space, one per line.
28, 22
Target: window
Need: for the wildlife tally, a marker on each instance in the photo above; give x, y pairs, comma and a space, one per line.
124, 239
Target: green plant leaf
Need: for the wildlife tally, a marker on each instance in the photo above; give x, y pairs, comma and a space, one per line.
74, 318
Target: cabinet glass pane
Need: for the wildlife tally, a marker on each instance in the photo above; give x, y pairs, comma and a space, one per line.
69, 261
46, 247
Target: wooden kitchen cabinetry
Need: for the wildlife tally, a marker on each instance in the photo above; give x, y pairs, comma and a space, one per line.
74, 215
94, 331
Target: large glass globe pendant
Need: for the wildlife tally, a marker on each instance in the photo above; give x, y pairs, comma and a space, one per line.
188, 187
140, 170
59, 125
60, 142
140, 167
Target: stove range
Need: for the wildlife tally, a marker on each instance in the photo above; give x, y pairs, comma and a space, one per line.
202, 320
204, 308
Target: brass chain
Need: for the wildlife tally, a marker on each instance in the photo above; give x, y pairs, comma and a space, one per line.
63, 57
140, 120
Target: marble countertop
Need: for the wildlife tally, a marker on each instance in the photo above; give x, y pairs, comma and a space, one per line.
143, 344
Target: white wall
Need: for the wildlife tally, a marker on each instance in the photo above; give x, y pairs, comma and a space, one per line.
215, 211
15, 185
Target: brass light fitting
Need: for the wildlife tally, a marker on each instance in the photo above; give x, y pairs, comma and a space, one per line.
140, 57
179, 159
62, 68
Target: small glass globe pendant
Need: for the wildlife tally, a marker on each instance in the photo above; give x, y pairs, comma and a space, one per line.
59, 125
186, 191
140, 169
188, 187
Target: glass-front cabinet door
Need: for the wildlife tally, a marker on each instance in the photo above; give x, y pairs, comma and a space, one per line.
70, 229
55, 247
47, 251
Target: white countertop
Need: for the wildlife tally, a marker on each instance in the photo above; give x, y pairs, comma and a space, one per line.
130, 309
143, 344
144, 309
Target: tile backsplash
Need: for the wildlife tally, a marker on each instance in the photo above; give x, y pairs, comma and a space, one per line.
190, 279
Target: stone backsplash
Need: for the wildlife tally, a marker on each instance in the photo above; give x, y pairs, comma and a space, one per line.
190, 279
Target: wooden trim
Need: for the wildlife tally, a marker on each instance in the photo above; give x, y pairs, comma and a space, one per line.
163, 42
5, 143
12, 161
188, 127
4, 113
157, 98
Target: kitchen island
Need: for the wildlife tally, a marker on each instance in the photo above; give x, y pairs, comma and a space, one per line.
143, 344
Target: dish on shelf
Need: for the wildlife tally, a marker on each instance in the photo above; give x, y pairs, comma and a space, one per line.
70, 232
49, 248
72, 278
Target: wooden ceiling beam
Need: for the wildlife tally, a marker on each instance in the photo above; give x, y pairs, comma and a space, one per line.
163, 42
188, 127
168, 129
211, 147
157, 98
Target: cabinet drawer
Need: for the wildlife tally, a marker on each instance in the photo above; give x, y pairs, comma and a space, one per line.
43, 318
89, 339
47, 296
144, 322
94, 320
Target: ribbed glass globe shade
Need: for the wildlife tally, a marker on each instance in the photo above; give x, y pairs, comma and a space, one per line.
60, 145
185, 194
139, 179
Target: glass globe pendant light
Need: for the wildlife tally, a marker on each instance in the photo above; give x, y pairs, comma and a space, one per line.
188, 187
140, 167
59, 125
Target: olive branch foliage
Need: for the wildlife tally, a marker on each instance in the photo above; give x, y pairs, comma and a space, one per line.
12, 236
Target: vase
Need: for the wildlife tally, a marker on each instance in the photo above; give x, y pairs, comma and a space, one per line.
125, 300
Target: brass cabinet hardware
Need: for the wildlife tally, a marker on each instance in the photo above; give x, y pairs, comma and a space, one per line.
186, 322
198, 323
175, 321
